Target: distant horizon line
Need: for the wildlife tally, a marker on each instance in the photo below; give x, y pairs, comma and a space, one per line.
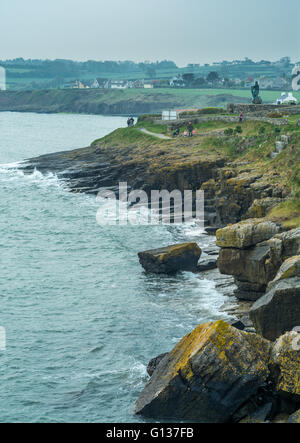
272, 60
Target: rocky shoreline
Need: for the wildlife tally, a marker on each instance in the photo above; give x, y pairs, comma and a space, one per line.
195, 380
246, 371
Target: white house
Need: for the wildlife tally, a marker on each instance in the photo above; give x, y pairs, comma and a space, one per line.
118, 84
286, 98
2, 79
177, 81
100, 83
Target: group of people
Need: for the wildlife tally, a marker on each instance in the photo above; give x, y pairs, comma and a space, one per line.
188, 133
130, 122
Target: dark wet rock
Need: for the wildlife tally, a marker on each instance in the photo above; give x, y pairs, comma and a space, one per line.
294, 418
209, 374
238, 324
278, 311
170, 259
211, 230
207, 264
154, 362
212, 250
260, 416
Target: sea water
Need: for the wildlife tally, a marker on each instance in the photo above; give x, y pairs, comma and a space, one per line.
82, 318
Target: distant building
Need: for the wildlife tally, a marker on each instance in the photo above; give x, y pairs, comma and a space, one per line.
100, 83
77, 84
249, 82
138, 84
2, 79
279, 83
286, 98
118, 84
169, 115
177, 82
265, 83
148, 86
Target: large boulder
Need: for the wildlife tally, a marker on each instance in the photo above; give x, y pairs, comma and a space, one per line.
209, 374
170, 259
278, 311
252, 268
246, 233
285, 361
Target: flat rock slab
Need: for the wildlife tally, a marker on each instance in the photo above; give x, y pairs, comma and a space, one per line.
246, 233
171, 259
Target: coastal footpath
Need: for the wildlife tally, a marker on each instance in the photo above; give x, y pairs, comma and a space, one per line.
219, 372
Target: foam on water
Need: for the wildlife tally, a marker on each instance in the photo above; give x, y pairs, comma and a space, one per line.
82, 317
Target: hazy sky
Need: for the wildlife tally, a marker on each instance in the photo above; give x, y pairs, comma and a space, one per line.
186, 31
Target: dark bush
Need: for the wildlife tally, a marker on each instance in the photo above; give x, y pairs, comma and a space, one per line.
261, 130
238, 130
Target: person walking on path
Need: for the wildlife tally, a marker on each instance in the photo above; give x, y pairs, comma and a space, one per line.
241, 117
190, 129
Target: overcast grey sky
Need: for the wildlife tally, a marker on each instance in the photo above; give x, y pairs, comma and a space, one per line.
186, 31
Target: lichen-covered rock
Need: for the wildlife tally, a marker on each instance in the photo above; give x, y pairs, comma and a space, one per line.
209, 374
285, 360
246, 233
278, 311
289, 269
180, 257
294, 418
261, 207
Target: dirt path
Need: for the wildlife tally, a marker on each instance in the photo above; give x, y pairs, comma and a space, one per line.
161, 136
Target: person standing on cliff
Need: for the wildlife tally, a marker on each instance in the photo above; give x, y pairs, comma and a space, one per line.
130, 122
190, 129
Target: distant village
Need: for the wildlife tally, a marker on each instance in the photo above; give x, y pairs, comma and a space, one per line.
101, 83
184, 81
67, 74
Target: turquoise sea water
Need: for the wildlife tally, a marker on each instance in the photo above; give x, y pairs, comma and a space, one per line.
82, 319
